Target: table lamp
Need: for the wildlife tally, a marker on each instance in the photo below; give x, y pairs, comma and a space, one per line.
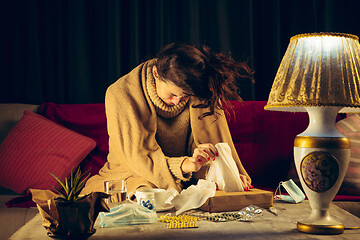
319, 74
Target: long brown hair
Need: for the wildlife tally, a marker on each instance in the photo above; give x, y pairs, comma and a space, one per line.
199, 71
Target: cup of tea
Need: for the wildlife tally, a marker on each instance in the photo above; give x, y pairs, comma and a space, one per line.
154, 196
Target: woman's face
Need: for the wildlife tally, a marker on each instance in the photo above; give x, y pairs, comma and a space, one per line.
169, 92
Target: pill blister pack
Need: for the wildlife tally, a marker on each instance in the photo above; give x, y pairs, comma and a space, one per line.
246, 214
180, 221
190, 220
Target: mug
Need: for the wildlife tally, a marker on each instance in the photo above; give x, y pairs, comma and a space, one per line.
145, 199
157, 197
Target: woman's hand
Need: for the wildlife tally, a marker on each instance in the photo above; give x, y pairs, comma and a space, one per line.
202, 154
245, 183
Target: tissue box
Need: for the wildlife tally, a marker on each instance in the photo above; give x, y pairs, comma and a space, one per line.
234, 201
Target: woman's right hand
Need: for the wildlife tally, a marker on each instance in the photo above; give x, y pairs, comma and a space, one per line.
202, 154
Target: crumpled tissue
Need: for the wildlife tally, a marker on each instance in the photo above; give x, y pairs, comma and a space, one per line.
194, 196
223, 170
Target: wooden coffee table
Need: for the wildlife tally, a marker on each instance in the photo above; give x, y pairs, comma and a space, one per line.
267, 226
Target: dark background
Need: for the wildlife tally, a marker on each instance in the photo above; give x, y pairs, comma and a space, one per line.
70, 51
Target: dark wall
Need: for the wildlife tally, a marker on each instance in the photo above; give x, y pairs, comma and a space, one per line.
70, 51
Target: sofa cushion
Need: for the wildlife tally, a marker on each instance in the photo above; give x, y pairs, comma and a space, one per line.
264, 140
88, 120
37, 146
350, 127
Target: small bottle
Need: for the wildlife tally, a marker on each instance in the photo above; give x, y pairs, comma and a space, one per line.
123, 193
106, 190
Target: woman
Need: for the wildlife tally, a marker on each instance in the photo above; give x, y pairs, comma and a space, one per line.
165, 117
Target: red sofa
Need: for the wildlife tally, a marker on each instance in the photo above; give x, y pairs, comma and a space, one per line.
263, 139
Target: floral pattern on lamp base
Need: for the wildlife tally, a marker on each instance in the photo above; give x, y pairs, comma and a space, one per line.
319, 170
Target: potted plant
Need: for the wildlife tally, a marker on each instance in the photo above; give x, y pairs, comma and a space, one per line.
66, 214
72, 186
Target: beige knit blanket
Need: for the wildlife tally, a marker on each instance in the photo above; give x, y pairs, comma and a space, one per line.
134, 154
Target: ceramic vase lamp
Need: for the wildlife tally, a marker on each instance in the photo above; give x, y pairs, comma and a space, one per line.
319, 74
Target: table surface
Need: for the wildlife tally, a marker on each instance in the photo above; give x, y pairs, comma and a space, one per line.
266, 226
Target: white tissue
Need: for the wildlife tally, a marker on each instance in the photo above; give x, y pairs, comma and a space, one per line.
194, 196
224, 172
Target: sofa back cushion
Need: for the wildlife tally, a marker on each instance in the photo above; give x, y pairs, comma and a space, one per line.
88, 120
264, 140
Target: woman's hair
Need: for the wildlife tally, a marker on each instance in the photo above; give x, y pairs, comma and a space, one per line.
200, 72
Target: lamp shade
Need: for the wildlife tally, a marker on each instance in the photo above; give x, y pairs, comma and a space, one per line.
318, 69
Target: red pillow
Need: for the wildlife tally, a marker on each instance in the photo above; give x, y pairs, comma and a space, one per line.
37, 146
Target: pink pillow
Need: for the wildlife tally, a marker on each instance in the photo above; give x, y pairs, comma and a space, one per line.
37, 146
350, 127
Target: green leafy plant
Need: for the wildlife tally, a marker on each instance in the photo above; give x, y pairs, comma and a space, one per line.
73, 185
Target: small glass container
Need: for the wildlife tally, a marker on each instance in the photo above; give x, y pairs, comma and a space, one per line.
117, 190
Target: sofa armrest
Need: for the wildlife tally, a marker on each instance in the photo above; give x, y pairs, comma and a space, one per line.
10, 114
11, 219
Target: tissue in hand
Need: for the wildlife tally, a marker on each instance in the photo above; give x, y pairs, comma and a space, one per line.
224, 172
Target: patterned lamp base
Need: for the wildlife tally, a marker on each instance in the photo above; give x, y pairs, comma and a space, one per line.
321, 159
